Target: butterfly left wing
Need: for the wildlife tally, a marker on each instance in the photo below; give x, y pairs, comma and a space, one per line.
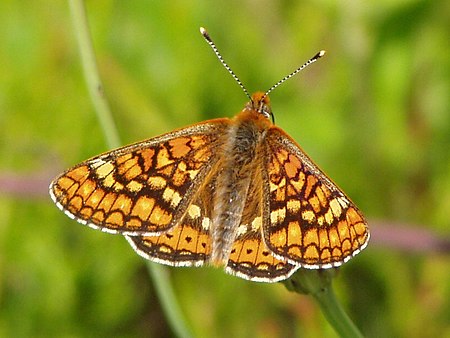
312, 223
143, 188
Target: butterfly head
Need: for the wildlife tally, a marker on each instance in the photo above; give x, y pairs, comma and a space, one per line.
260, 102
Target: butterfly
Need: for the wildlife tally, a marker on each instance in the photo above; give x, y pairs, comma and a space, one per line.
236, 193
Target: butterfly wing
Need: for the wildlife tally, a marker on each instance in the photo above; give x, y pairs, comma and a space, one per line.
250, 258
312, 223
141, 189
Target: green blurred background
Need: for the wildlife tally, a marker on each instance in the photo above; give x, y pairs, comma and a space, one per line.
374, 114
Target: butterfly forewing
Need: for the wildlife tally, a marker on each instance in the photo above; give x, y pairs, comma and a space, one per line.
312, 222
144, 188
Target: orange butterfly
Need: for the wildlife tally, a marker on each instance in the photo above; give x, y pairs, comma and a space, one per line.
238, 193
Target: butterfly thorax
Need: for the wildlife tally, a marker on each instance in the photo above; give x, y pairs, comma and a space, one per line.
242, 156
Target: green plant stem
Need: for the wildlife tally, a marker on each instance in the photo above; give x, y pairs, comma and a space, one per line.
158, 274
317, 283
166, 295
90, 69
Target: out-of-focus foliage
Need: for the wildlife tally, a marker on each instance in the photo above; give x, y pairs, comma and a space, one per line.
374, 114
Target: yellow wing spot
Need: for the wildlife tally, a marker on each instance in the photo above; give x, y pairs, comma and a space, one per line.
295, 251
70, 193
206, 223
282, 155
278, 216
242, 229
257, 223
298, 182
308, 216
99, 216
125, 166
134, 186
157, 182
192, 173
335, 208
197, 141
329, 216
160, 216
180, 176
293, 205
172, 197
194, 211
108, 181
104, 170
118, 186
320, 220
65, 183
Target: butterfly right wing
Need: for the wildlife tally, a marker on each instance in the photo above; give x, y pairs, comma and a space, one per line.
144, 188
313, 223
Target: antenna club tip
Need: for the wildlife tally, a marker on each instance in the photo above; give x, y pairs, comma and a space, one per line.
322, 53
203, 31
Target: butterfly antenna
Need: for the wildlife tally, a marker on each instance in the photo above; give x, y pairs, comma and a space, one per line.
216, 51
306, 64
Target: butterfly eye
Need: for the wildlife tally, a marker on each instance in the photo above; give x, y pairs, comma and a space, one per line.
265, 110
